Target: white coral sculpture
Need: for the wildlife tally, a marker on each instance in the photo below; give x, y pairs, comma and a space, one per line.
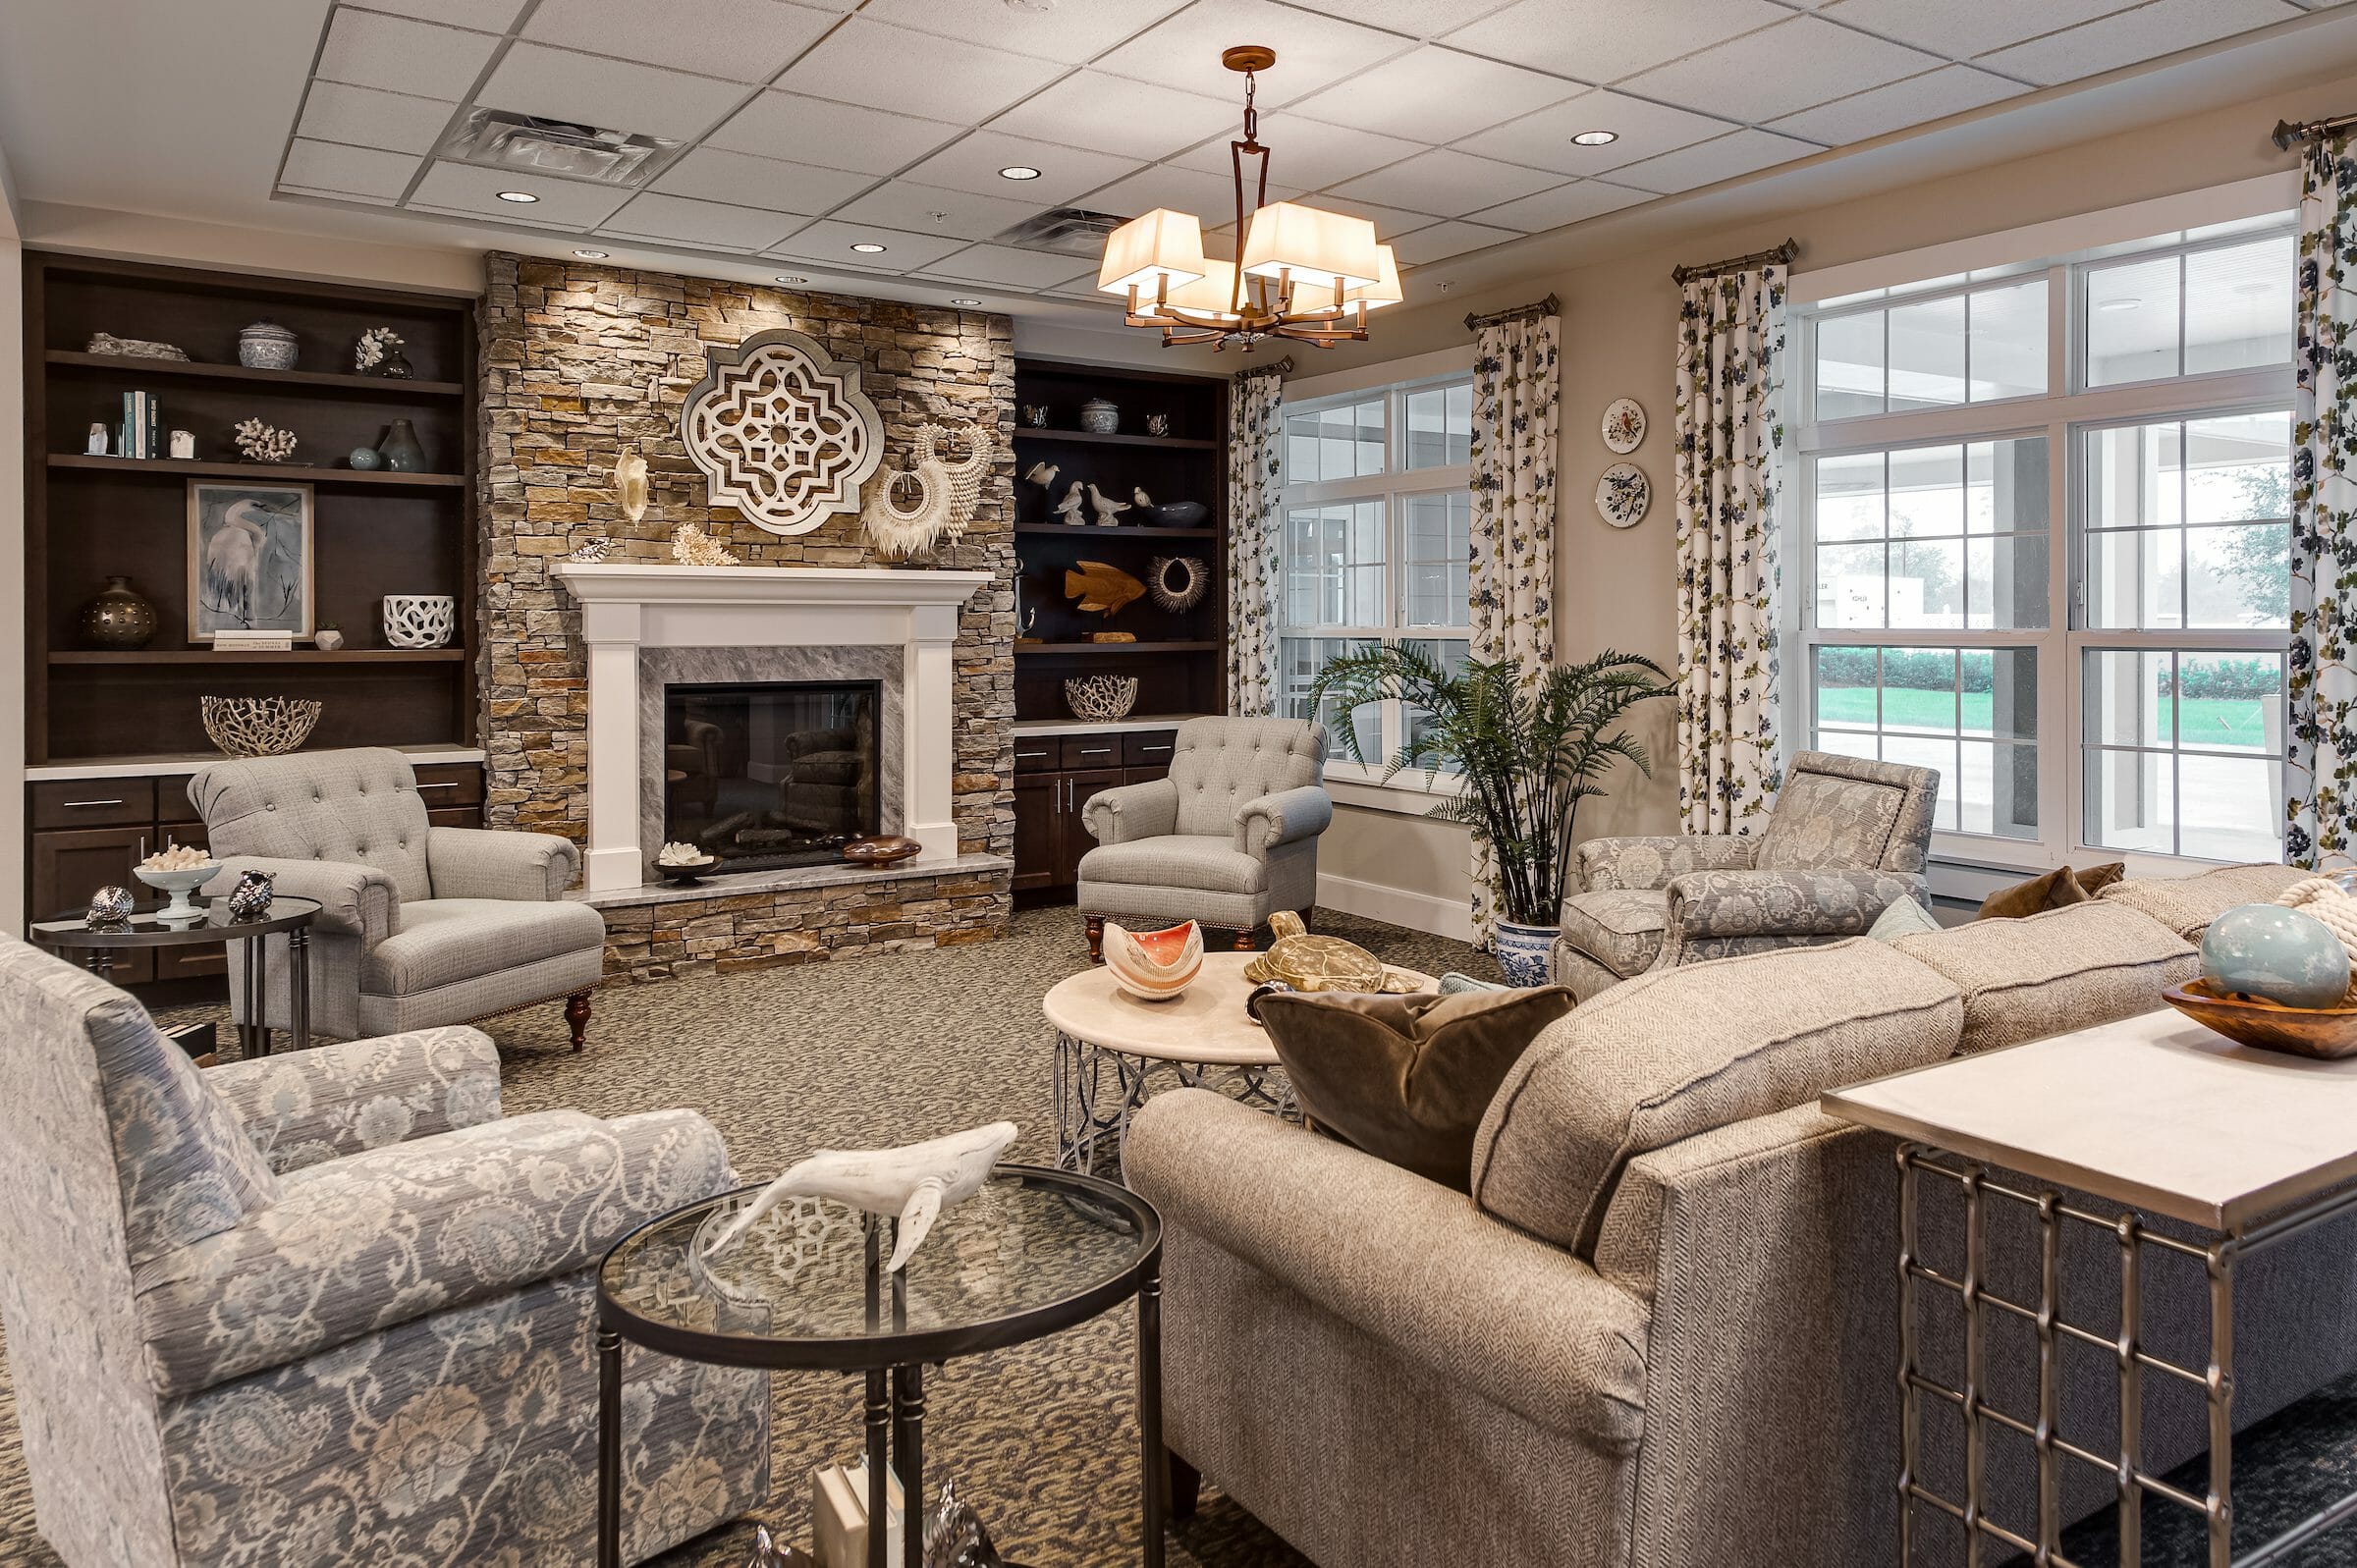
690, 546
263, 443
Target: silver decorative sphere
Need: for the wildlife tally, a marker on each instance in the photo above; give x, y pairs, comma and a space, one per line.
2277, 954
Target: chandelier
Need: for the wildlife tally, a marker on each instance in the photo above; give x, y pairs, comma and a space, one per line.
1300, 272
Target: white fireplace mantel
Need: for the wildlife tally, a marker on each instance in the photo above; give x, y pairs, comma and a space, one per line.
627, 606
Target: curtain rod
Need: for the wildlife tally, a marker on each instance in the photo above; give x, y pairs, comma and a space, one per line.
1781, 256
2289, 131
1545, 308
1275, 367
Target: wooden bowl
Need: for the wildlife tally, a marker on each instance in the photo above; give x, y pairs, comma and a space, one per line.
882, 850
2325, 1033
687, 873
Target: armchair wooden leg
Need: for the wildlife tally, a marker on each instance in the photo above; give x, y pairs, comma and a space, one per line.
576, 1017
1186, 1487
1096, 937
1243, 941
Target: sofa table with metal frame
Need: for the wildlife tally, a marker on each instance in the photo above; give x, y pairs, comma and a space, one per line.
2154, 1114
1033, 1253
95, 947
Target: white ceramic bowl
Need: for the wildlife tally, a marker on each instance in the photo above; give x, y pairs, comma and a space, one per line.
179, 884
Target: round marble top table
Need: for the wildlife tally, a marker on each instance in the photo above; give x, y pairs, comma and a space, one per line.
1202, 1038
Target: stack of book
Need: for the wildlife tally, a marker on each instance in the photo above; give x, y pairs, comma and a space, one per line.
138, 434
254, 642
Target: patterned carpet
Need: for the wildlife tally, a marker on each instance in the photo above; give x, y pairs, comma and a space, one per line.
879, 1051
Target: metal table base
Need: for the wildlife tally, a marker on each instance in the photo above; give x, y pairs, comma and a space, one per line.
1078, 1080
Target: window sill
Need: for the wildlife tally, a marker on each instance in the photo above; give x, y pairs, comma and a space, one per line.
1971, 870
1404, 795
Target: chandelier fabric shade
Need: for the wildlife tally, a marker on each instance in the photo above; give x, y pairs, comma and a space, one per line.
1162, 248
1285, 240
1384, 289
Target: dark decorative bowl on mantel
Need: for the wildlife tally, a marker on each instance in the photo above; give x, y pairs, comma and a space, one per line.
1173, 515
880, 850
687, 874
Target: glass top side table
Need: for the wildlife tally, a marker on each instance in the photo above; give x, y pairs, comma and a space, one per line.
95, 947
1034, 1251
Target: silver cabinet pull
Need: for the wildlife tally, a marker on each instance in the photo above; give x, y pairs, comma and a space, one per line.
1153, 748
447, 784
73, 803
1096, 751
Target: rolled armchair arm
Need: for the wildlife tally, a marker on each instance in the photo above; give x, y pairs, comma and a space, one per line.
1285, 817
355, 899
304, 1107
1786, 903
1646, 864
1148, 810
488, 863
1405, 1260
355, 1246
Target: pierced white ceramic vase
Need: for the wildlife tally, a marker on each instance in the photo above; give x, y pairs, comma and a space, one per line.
419, 619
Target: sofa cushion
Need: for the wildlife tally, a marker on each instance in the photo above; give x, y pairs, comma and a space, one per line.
1177, 860
1620, 927
2048, 974
1406, 1078
1901, 917
2187, 904
1679, 1051
445, 941
2057, 889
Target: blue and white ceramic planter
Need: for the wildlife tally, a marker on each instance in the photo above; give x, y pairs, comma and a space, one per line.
1522, 952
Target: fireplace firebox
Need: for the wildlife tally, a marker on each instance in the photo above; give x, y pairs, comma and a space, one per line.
767, 774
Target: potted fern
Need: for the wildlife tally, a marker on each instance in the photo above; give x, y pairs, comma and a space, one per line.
1530, 749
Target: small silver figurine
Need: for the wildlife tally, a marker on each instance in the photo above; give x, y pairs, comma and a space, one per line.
110, 905
250, 898
955, 1537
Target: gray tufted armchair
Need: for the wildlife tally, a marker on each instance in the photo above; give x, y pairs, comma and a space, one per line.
1228, 839
1846, 839
420, 925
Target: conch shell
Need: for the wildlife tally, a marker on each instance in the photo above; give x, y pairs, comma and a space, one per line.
1100, 587
630, 485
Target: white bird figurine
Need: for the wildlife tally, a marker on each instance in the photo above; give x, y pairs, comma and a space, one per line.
1042, 475
914, 1182
1108, 511
1069, 509
1138, 494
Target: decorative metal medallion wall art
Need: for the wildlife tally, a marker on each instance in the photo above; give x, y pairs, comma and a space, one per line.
781, 431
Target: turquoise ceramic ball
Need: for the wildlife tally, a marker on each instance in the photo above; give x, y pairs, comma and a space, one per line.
2277, 954
366, 457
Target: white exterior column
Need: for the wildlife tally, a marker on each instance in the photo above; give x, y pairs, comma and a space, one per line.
612, 631
928, 714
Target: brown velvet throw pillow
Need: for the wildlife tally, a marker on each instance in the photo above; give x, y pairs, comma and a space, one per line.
2054, 890
1406, 1078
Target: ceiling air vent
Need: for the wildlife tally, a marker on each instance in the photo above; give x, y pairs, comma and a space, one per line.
1067, 231
500, 140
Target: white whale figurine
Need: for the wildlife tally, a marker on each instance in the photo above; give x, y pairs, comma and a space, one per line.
914, 1182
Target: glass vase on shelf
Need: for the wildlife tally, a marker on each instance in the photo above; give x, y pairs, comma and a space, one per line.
401, 449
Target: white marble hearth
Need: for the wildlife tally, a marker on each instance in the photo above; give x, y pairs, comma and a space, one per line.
631, 606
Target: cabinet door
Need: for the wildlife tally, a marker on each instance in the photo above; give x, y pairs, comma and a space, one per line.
185, 964
1078, 840
1038, 829
69, 866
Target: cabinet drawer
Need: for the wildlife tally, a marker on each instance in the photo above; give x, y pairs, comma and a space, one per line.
1092, 751
1036, 753
453, 816
450, 783
1149, 748
92, 802
172, 802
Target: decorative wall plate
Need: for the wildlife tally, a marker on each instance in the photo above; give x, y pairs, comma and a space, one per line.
781, 431
1624, 424
1623, 493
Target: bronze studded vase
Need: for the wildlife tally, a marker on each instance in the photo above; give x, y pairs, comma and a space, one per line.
118, 618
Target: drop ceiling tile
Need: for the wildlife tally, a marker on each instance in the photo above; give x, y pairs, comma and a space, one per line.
485, 15
355, 171
929, 209
1645, 130
1210, 197
830, 240
563, 203
1306, 153
656, 216
867, 63
364, 117
1709, 162
1312, 51
743, 40
1445, 240
1072, 32
1421, 19
1135, 119
1605, 40
1932, 97
1551, 209
836, 136
333, 195
1434, 94
1799, 62
1451, 184
2128, 36
1390, 222
1961, 32
491, 220
1020, 269
367, 50
1065, 169
559, 84
715, 174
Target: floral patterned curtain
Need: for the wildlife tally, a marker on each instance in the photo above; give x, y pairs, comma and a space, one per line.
1255, 410
1514, 520
1730, 344
2319, 776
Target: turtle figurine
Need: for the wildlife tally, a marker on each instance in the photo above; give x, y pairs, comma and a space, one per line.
1304, 962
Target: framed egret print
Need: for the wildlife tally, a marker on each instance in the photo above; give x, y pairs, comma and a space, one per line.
250, 559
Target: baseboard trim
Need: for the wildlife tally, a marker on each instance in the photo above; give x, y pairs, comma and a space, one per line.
1398, 906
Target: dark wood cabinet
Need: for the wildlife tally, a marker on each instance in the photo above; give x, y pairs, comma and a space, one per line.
69, 864
1055, 779
1038, 830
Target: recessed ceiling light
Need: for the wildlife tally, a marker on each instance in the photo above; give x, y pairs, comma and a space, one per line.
1018, 171
1595, 139
868, 247
518, 195
591, 255
792, 277
964, 300
2124, 302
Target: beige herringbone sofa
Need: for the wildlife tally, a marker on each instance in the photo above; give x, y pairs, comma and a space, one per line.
1661, 1332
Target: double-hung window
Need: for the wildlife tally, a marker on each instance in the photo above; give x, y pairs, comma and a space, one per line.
2043, 525
1376, 519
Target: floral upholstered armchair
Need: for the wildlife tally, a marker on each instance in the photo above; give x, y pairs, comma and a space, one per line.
331, 1306
1846, 839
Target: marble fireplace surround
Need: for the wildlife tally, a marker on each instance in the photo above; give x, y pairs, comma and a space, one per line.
643, 623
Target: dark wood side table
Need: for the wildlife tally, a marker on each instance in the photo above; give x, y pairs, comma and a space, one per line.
97, 947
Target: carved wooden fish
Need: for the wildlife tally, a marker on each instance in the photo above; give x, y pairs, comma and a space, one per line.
1102, 588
